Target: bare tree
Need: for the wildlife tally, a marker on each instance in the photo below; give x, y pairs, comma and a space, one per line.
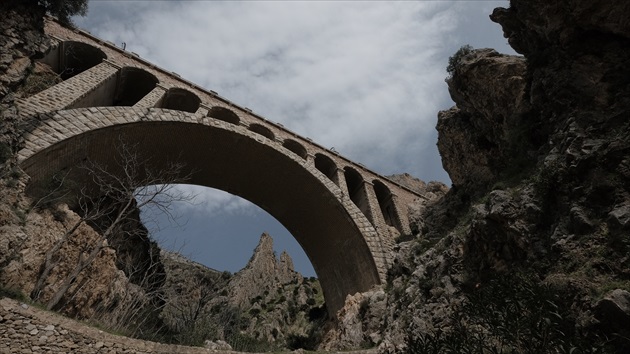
107, 201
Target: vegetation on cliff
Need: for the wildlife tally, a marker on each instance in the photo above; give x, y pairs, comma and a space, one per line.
63, 9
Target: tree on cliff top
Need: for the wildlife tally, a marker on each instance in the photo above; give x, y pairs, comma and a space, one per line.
455, 59
63, 9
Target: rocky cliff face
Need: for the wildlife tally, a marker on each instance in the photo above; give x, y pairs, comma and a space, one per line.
26, 232
531, 247
266, 305
263, 273
282, 306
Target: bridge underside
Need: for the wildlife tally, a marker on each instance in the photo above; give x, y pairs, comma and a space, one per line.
312, 208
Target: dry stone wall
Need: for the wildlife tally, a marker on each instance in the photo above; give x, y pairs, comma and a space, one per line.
27, 330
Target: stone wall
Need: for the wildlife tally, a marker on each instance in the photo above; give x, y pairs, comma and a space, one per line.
27, 330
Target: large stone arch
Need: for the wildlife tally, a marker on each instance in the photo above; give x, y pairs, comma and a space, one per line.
133, 85
341, 243
180, 99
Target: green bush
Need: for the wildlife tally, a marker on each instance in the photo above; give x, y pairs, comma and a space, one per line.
254, 312
455, 59
13, 294
511, 314
64, 9
244, 343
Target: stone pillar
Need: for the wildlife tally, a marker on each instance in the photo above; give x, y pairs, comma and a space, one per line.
375, 213
152, 98
387, 234
91, 88
401, 215
310, 159
341, 182
202, 111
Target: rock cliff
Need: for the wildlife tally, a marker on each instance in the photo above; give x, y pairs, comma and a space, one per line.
263, 273
266, 305
530, 247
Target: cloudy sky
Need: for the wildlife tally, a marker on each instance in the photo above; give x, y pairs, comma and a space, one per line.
364, 77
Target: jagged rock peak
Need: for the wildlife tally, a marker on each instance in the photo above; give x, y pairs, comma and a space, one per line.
286, 261
264, 261
264, 271
263, 258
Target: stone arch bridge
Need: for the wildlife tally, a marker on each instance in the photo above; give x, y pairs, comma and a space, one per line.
344, 216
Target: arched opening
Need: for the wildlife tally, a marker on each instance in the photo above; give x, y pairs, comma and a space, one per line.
70, 58
296, 147
327, 166
356, 190
133, 85
318, 219
386, 203
262, 130
223, 114
226, 226
181, 100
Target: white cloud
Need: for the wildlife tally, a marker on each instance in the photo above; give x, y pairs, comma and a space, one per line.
211, 202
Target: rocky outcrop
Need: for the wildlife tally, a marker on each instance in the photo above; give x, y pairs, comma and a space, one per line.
101, 291
432, 191
266, 305
21, 41
479, 137
263, 273
359, 323
537, 149
277, 299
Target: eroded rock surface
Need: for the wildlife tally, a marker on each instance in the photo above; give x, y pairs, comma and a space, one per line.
537, 149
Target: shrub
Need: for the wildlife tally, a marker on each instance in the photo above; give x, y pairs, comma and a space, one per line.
37, 82
12, 293
455, 59
513, 313
64, 9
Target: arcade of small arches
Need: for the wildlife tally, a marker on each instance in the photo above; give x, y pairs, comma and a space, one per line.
75, 111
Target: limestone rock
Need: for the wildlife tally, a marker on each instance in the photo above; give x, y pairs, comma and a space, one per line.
358, 322
614, 310
263, 272
536, 148
490, 92
217, 345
